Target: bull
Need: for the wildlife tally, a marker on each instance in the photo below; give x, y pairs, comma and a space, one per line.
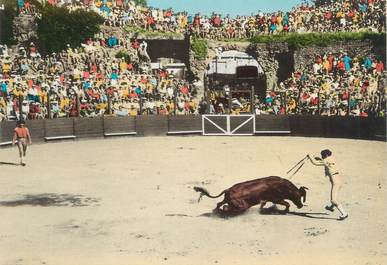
242, 196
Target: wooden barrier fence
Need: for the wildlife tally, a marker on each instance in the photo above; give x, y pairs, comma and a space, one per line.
159, 125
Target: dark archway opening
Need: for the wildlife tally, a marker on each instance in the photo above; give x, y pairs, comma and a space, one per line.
234, 81
286, 65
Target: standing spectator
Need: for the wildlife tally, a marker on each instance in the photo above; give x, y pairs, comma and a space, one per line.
22, 137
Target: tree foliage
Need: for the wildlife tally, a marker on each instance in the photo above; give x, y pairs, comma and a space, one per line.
6, 20
123, 55
199, 47
58, 27
140, 2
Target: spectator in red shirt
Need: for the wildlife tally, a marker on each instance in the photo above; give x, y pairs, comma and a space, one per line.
217, 21
379, 68
341, 66
135, 44
150, 22
184, 90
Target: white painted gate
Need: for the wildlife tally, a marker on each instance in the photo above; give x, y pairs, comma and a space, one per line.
213, 124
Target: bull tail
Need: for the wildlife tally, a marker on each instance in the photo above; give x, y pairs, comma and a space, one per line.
303, 193
204, 192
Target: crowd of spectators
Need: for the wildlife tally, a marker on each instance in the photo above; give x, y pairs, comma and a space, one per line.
25, 7
335, 84
107, 75
335, 16
99, 79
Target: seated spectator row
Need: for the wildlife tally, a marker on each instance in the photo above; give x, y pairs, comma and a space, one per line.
112, 75
335, 84
105, 76
334, 16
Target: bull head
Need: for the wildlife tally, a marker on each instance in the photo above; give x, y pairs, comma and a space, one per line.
303, 193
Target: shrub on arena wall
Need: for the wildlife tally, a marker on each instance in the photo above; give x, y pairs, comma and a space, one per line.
135, 30
140, 2
123, 54
297, 40
199, 47
58, 27
143, 33
6, 19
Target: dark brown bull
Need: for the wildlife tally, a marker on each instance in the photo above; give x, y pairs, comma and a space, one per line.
242, 196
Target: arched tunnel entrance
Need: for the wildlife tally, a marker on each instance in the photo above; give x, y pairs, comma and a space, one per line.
233, 82
176, 49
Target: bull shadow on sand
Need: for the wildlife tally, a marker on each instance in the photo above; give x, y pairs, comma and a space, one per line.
221, 215
9, 163
50, 199
273, 210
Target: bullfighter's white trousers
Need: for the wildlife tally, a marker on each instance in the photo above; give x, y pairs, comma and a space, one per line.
336, 184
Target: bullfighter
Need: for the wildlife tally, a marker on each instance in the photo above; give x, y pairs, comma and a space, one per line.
327, 160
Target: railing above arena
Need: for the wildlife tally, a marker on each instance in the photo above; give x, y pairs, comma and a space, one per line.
161, 125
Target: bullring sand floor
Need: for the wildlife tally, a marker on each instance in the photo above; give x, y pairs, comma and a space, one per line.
131, 201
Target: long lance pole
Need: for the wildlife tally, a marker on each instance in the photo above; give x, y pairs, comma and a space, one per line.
302, 160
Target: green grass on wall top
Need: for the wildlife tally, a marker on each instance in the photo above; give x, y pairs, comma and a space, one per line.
297, 40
